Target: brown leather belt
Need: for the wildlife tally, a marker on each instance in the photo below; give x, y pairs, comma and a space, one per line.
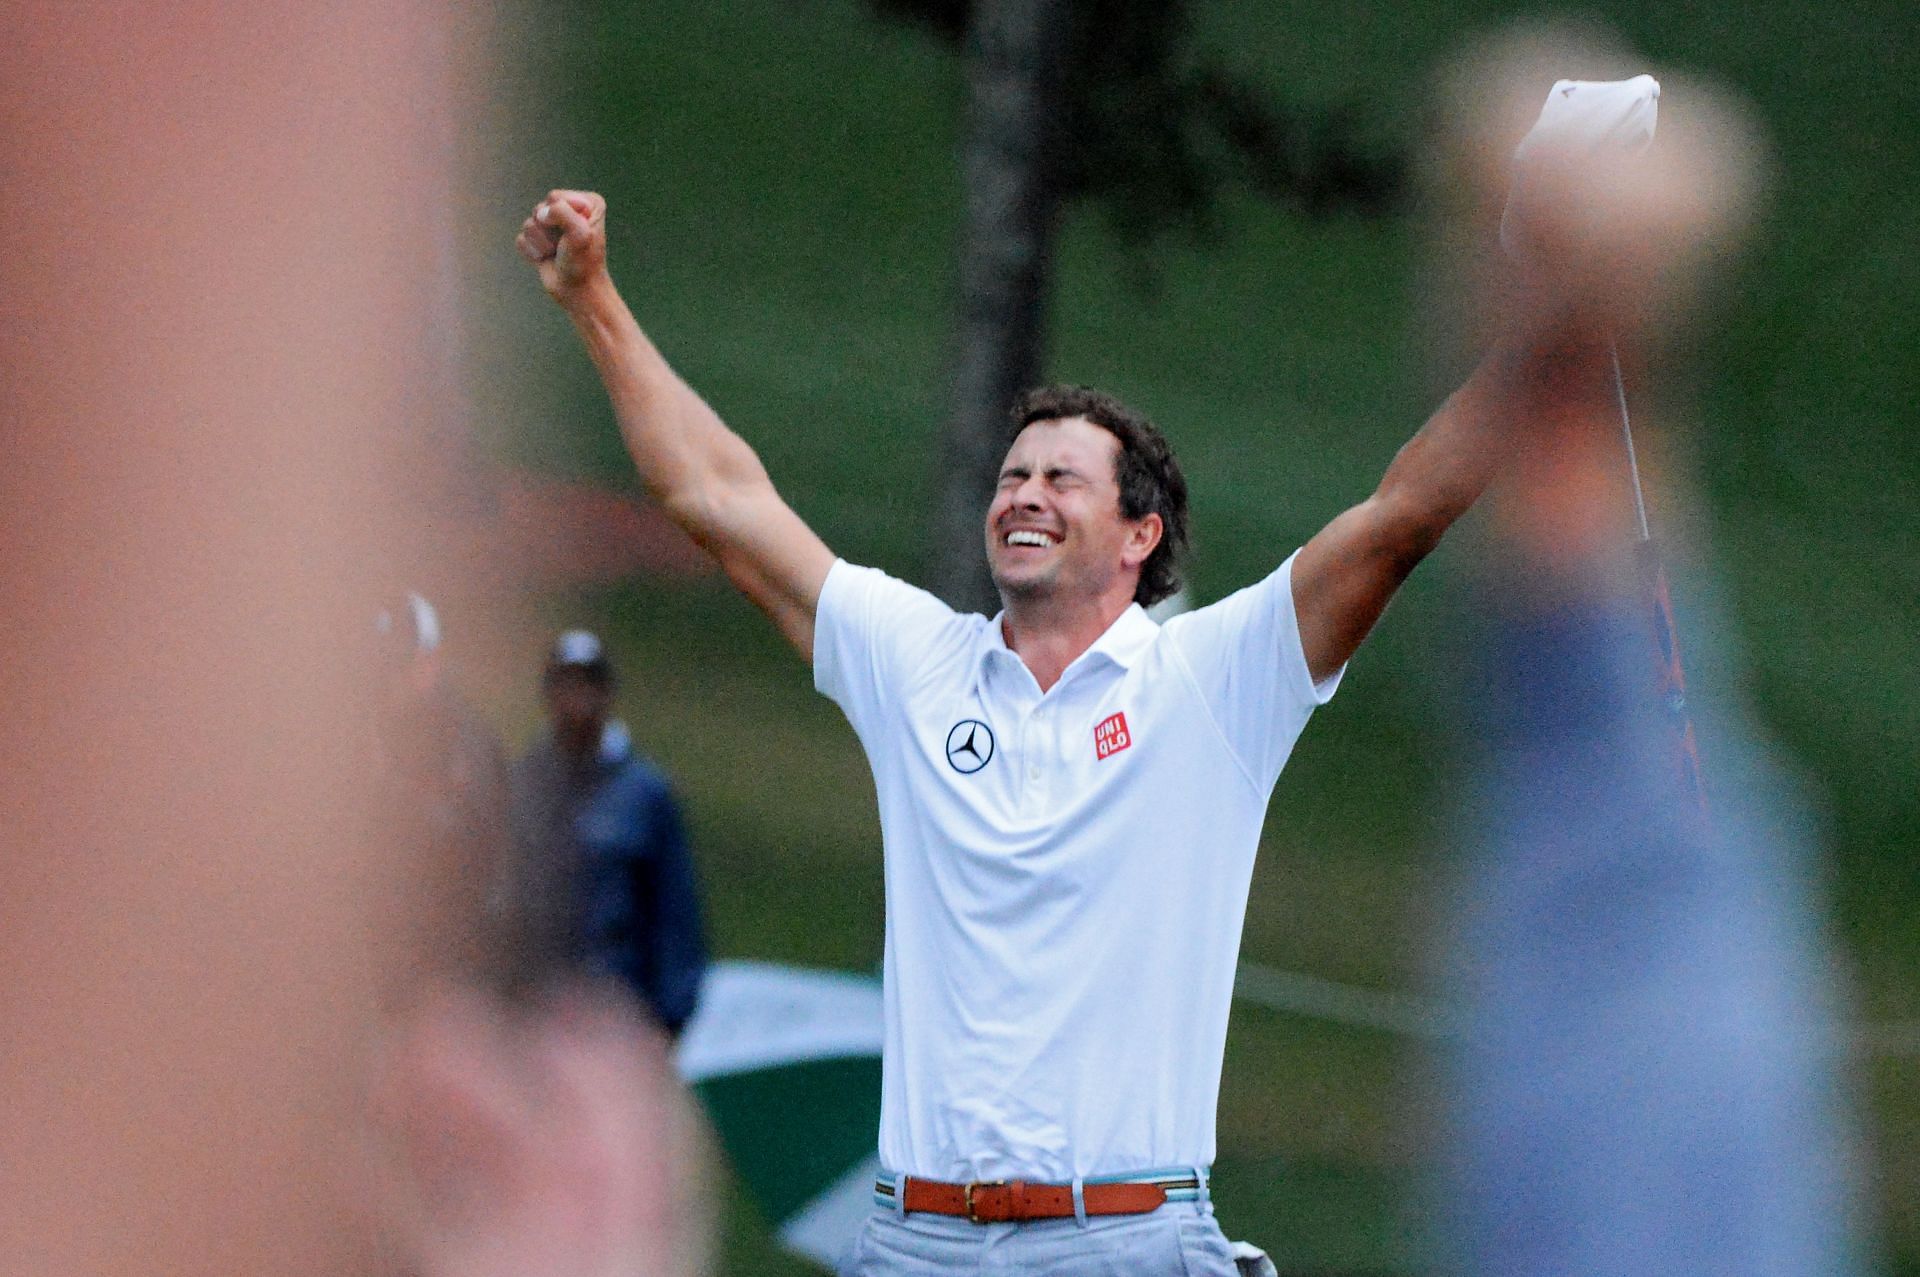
1009, 1201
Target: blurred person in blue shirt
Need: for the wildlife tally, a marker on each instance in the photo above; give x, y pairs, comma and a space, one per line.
602, 879
1646, 1081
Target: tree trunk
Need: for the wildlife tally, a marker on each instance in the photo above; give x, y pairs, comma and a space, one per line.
1013, 55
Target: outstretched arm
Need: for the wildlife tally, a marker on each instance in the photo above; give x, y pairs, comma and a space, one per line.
707, 478
1349, 571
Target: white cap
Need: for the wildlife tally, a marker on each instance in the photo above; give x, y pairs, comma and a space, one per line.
577, 647
579, 650
1583, 117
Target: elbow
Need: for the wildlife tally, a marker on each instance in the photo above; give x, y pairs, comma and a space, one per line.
704, 512
1402, 554
694, 507
709, 499
1420, 538
1407, 534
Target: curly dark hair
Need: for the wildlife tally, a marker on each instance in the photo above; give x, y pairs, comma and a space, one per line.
1149, 476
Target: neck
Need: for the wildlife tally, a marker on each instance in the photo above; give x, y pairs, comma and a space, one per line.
1049, 634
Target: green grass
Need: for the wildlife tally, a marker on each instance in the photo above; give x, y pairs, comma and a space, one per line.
784, 208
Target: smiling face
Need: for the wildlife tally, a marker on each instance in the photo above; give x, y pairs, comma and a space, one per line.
1055, 529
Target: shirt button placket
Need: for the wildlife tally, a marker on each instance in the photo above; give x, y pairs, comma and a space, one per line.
1036, 747
1028, 765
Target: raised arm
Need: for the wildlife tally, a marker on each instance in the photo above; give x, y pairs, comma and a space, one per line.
707, 478
1348, 572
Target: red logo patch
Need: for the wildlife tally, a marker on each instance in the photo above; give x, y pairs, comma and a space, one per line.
1111, 736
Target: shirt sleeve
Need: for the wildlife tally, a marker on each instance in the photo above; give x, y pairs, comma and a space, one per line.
1246, 656
872, 634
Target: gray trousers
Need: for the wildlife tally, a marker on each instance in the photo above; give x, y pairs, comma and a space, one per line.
1180, 1239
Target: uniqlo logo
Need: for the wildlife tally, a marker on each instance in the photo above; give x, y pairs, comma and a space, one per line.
1111, 736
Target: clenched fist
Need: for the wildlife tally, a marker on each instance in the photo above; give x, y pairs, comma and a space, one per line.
566, 239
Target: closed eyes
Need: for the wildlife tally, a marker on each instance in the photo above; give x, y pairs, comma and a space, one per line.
1058, 477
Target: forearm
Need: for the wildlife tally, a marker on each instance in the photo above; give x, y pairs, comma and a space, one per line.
1346, 574
1439, 473
685, 454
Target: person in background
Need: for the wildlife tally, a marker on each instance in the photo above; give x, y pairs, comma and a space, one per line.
602, 879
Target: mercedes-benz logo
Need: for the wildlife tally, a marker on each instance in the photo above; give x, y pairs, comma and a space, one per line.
969, 746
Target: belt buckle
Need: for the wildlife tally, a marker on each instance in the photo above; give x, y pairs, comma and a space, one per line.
973, 1218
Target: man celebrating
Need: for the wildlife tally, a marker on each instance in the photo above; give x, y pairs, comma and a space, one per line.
1070, 794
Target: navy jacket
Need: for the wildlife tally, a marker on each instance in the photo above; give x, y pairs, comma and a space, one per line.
604, 881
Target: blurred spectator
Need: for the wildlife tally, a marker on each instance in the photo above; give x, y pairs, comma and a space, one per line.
443, 806
602, 878
1645, 1079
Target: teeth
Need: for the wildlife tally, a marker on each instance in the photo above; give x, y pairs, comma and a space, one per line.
1028, 538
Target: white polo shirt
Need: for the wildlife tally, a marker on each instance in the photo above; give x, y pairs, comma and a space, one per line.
1066, 874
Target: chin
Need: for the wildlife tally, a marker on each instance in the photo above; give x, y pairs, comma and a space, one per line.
1022, 587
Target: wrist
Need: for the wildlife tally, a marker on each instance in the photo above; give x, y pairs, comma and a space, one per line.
588, 296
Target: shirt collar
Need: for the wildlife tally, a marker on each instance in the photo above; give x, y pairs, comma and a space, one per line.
1122, 643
